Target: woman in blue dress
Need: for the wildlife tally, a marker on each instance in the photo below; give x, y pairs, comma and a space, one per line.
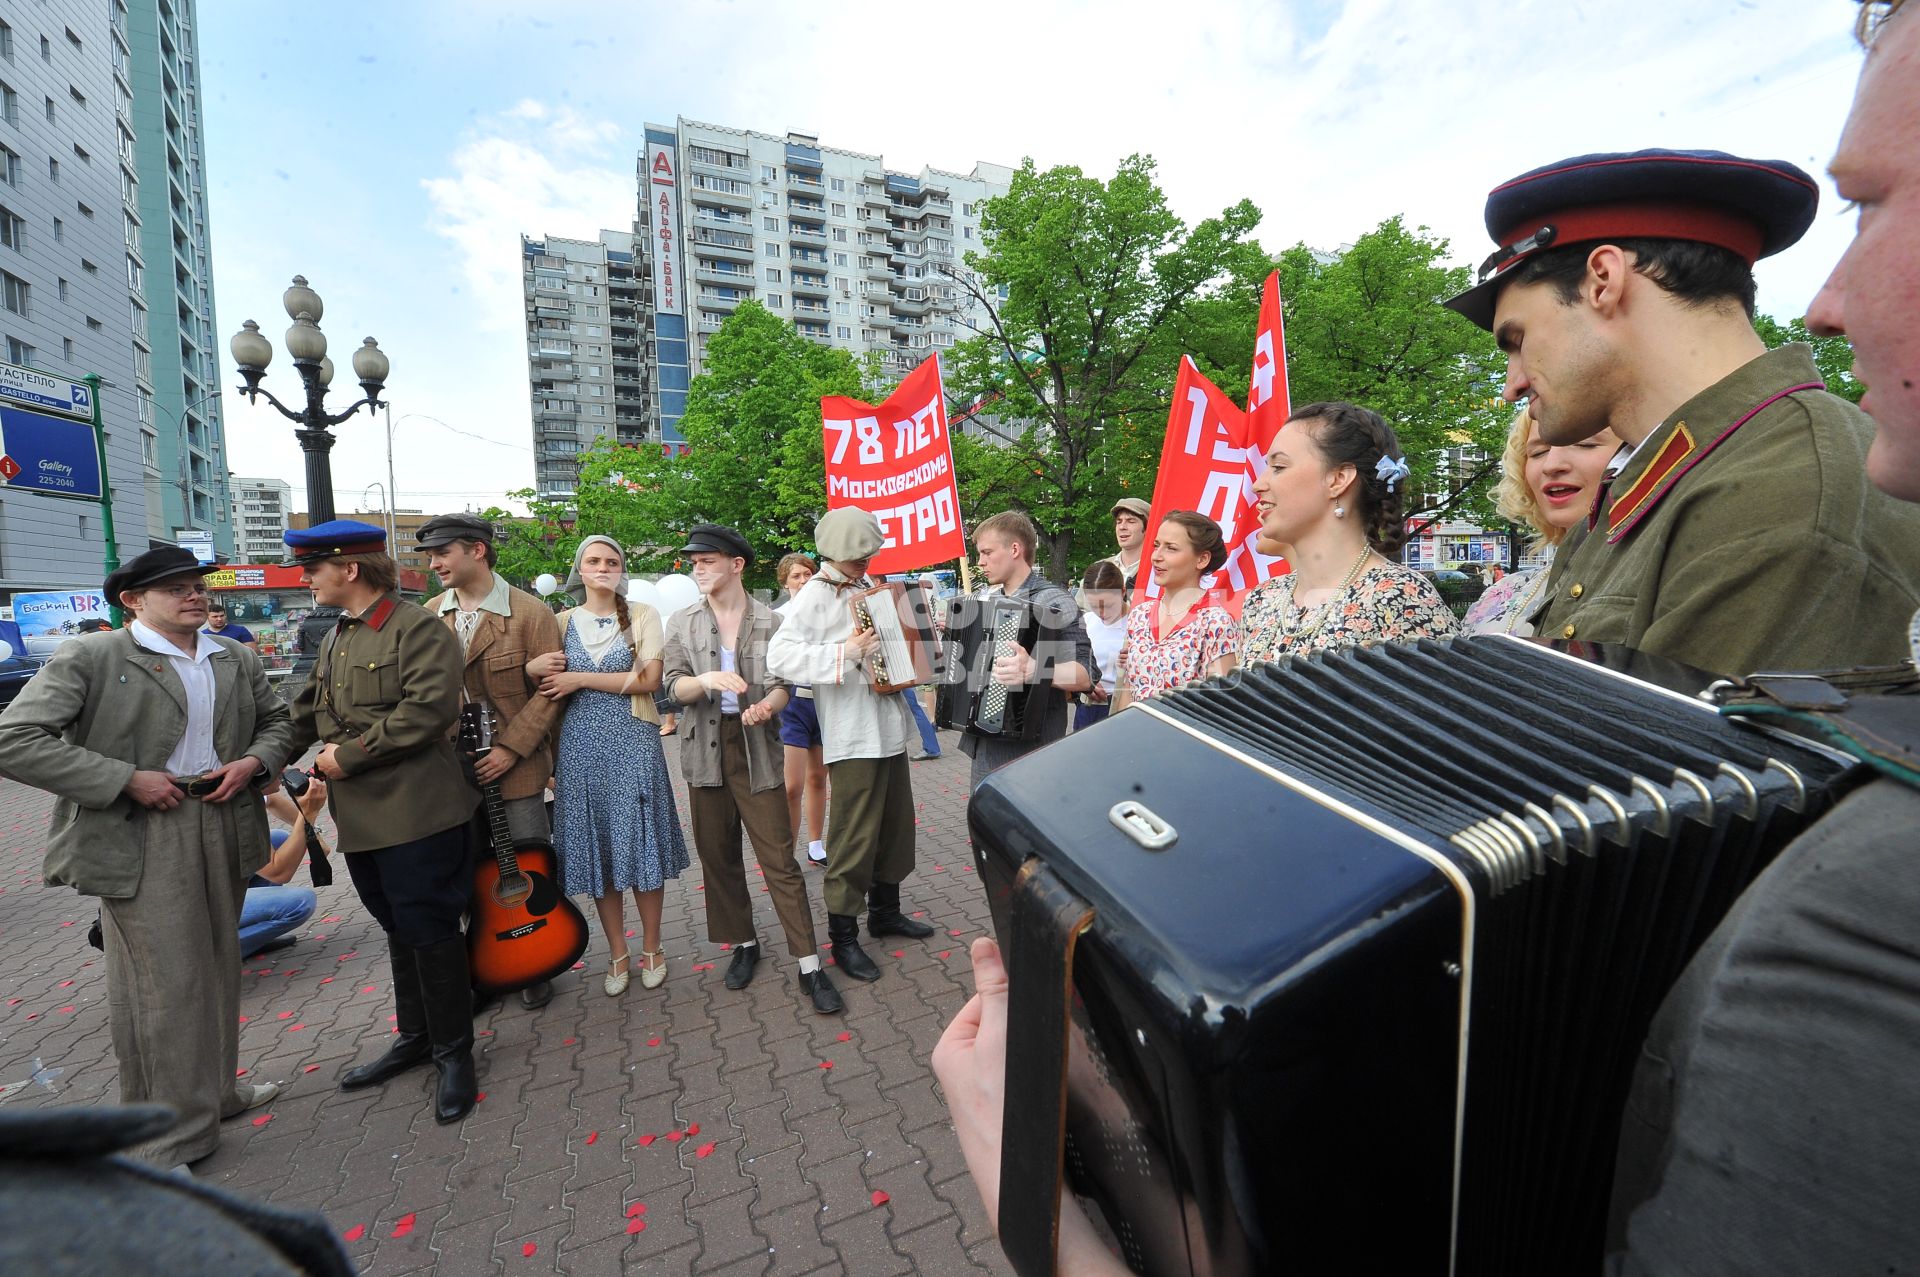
614, 822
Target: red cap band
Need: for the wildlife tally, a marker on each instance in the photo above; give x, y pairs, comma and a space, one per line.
1699, 223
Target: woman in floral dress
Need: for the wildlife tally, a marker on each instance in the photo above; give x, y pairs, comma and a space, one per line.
1178, 637
1333, 496
614, 821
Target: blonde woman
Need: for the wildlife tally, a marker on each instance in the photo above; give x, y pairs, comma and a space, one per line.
1549, 489
614, 822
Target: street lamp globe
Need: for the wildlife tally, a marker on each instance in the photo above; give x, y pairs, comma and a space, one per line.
301, 298
326, 372
305, 342
251, 351
370, 364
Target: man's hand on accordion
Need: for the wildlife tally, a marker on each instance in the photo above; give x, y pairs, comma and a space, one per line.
862, 643
1014, 666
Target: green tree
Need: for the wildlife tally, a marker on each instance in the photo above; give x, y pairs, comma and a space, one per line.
1833, 356
1366, 325
753, 458
1092, 290
543, 541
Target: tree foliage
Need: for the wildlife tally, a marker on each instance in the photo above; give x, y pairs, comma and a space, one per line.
1833, 356
541, 541
1092, 290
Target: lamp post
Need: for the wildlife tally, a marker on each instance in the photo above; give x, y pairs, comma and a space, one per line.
308, 346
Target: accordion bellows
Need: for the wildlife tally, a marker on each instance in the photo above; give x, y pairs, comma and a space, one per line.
1376, 937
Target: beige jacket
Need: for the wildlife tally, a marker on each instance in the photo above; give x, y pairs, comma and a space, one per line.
496, 672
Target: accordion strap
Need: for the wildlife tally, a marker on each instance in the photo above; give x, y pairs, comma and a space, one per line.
1047, 921
1872, 714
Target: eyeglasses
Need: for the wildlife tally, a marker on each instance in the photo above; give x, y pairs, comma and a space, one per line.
196, 590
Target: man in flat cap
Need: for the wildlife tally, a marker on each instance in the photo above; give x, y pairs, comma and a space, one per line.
731, 757
1773, 1124
1129, 537
1737, 531
158, 742
383, 697
864, 735
500, 629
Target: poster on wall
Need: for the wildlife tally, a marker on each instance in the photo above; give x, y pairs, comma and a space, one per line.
51, 617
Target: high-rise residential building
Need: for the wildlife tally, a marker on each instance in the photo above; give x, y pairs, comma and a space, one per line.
66, 183
847, 249
587, 378
169, 271
261, 508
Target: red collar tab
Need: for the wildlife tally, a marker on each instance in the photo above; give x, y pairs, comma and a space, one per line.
377, 615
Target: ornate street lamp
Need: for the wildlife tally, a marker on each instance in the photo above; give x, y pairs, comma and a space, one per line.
252, 352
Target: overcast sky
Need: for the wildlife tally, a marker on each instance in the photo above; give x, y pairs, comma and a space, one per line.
394, 153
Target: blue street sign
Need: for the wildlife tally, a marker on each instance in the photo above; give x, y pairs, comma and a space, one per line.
48, 454
33, 389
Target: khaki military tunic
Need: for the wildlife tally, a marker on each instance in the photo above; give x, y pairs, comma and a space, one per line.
1743, 535
386, 691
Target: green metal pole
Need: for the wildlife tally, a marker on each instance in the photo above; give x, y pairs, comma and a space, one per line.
112, 559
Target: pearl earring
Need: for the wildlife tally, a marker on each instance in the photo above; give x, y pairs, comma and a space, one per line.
1339, 512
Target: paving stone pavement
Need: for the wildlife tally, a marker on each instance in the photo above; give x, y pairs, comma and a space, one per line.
682, 1129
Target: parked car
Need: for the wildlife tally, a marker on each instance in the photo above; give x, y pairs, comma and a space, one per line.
14, 673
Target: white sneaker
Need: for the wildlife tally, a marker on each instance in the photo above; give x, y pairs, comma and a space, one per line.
817, 852
258, 1094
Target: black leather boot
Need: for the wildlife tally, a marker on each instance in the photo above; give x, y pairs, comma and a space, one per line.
843, 931
884, 917
412, 1047
826, 998
445, 984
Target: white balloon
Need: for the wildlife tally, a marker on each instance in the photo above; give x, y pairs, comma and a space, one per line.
6, 650
676, 591
546, 583
646, 592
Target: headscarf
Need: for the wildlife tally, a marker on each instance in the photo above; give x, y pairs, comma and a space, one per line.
576, 587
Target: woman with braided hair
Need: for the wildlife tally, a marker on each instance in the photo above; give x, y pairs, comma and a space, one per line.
615, 826
1333, 494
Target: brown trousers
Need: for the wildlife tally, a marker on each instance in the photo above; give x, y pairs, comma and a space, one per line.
173, 977
870, 835
717, 814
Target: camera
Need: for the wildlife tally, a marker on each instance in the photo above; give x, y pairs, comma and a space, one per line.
295, 782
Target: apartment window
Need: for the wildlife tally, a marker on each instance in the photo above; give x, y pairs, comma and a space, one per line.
135, 274
9, 106
769, 173
79, 98
13, 231
80, 153
776, 301
89, 267
843, 332
66, 349
839, 210
95, 324
18, 352
46, 49
61, 289
49, 110
53, 169
74, 40
85, 209
843, 308
13, 293
773, 250
839, 235
966, 232
967, 209
839, 183
770, 224
773, 274
839, 259
6, 42
769, 199
59, 230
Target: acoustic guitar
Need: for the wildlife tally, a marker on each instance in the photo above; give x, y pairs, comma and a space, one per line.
523, 928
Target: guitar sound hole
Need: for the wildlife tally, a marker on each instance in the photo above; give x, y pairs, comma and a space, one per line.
512, 889
544, 897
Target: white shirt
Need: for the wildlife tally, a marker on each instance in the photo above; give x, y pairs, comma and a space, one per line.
810, 647
1106, 645
195, 754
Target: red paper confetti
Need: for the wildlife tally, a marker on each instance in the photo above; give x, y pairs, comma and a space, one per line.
342, 958
528, 1249
239, 1072
579, 966
311, 1068
953, 933
638, 1208
592, 1136
899, 953
327, 980
65, 984
284, 1015
946, 953
245, 1018
368, 989
263, 1119
66, 924
14, 1002
939, 869
295, 1028
693, 1128
703, 1150
653, 1041
331, 918
646, 1140
481, 1096
636, 1226
674, 1137
404, 1227
568, 1041
880, 1198
66, 1010
845, 1036
355, 1233
725, 947
826, 1064
919, 913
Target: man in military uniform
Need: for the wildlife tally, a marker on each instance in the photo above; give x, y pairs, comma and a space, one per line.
383, 696
1773, 1124
1738, 531
500, 629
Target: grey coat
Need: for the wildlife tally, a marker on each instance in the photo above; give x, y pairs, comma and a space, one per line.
103, 708
693, 647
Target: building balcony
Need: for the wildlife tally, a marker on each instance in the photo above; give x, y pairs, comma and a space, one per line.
733, 252
809, 285
903, 305
716, 273
720, 303
807, 255
804, 183
722, 218
807, 234
810, 309
718, 198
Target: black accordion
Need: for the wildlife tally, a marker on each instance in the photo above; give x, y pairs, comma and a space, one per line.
1344, 965
978, 629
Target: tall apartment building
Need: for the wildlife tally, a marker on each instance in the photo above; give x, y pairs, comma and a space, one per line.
261, 508
168, 268
67, 190
588, 379
832, 239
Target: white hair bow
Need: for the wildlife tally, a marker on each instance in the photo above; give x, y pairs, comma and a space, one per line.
1391, 469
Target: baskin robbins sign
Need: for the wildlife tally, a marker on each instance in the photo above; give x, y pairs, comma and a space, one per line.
46, 435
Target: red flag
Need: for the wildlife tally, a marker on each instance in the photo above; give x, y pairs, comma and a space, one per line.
1203, 467
1268, 407
896, 461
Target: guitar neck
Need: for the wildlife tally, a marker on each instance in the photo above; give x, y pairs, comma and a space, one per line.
498, 832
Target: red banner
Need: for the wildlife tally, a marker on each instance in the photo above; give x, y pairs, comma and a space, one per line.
1213, 453
896, 461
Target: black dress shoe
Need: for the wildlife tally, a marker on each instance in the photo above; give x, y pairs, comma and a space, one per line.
826, 998
535, 996
884, 917
740, 970
843, 931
